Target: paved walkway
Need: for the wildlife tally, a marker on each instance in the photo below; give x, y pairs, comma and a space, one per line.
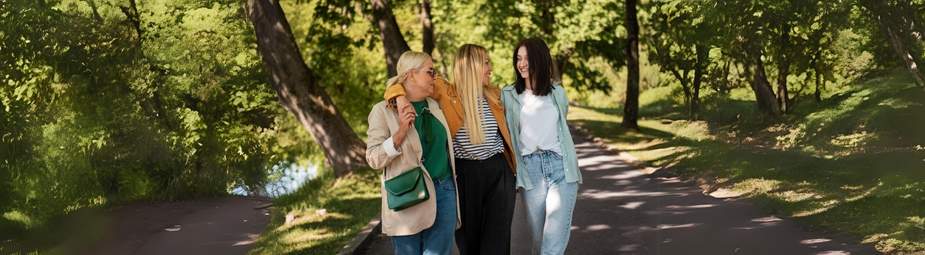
621, 210
215, 226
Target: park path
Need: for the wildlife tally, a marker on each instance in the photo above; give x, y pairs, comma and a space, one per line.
214, 226
622, 210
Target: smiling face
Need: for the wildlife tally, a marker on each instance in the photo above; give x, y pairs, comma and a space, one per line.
533, 67
523, 64
421, 80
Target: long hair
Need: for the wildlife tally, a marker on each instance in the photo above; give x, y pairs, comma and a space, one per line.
541, 68
468, 69
407, 62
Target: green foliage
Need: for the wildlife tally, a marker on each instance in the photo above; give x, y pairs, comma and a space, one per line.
576, 31
103, 103
98, 111
342, 48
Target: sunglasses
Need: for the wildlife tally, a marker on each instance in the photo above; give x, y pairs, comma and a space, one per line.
431, 73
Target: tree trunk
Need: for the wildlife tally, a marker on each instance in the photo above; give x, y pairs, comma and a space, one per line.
764, 95
724, 87
298, 90
95, 11
905, 54
703, 55
560, 65
427, 27
392, 40
685, 83
684, 79
547, 17
631, 106
783, 69
882, 14
131, 13
817, 58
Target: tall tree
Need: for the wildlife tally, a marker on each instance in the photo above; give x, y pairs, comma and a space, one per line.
392, 40
891, 22
764, 94
679, 44
631, 106
298, 90
427, 27
783, 67
745, 44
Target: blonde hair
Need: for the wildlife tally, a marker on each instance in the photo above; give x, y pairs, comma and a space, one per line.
467, 72
408, 61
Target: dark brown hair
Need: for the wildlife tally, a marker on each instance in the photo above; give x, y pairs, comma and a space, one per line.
541, 68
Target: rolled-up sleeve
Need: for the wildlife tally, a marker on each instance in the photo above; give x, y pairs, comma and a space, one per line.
379, 140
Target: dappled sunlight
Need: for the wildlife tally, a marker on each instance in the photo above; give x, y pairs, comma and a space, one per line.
676, 226
18, 217
632, 205
756, 185
864, 193
664, 212
854, 140
620, 175
897, 103
623, 145
630, 248
607, 194
755, 118
815, 241
819, 207
298, 218
297, 236
668, 180
325, 218
818, 203
798, 195
756, 227
89, 203
767, 219
249, 239
828, 169
643, 230
597, 227
833, 253
687, 207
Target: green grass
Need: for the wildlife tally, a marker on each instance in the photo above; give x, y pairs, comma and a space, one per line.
854, 163
350, 203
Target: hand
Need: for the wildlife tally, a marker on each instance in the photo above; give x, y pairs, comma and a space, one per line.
402, 102
406, 117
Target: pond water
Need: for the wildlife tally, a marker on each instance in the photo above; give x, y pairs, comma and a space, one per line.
292, 177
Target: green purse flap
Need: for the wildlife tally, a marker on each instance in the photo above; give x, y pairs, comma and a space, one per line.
405, 182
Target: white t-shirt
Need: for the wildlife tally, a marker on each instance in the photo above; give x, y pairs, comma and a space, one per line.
539, 123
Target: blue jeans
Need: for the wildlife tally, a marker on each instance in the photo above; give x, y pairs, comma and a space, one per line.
550, 203
439, 238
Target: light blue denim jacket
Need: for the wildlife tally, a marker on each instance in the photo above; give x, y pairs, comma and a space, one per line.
512, 105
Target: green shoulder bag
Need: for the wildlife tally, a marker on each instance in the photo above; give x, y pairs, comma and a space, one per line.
407, 189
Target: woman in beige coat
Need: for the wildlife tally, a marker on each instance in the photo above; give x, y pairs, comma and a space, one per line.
416, 136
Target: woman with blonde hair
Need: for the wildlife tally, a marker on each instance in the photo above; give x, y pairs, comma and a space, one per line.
482, 148
412, 145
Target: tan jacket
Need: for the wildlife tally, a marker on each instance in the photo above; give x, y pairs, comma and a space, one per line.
383, 124
445, 93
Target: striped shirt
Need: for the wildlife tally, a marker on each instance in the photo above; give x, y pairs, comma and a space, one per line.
493, 144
